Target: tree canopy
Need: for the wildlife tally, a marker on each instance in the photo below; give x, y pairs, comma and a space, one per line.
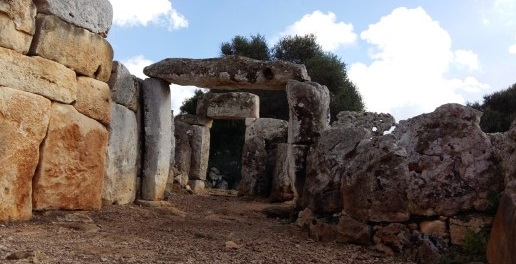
499, 110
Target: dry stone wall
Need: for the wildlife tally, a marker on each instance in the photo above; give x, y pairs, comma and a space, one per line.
55, 106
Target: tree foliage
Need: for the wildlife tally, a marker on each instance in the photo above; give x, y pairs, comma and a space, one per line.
499, 110
189, 105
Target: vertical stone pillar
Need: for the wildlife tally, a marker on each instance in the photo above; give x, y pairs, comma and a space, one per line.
157, 138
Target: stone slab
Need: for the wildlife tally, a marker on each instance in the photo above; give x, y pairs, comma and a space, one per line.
72, 165
93, 99
282, 188
22, 13
93, 15
121, 170
228, 73
37, 75
195, 120
11, 38
229, 106
157, 138
24, 120
86, 53
123, 86
200, 145
501, 247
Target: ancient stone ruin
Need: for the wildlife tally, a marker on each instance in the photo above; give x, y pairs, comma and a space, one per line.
78, 131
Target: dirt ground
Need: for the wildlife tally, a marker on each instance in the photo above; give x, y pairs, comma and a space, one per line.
210, 228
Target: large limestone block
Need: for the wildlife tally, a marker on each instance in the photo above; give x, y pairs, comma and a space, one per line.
123, 86
22, 13
195, 120
504, 146
86, 53
376, 123
121, 170
23, 125
501, 247
72, 165
254, 171
11, 38
228, 73
266, 128
297, 156
327, 160
229, 106
200, 145
93, 99
157, 138
451, 162
37, 75
93, 15
171, 171
183, 150
309, 115
282, 188
375, 182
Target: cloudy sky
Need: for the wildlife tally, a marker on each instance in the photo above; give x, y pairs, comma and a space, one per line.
406, 56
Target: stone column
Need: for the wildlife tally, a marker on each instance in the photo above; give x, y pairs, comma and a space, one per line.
157, 138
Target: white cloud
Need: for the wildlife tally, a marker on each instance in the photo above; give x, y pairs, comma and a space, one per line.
330, 34
178, 93
141, 13
466, 59
411, 56
512, 49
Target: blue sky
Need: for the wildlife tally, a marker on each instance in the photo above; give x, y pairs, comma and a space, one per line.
406, 56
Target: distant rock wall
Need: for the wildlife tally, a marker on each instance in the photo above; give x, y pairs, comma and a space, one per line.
55, 105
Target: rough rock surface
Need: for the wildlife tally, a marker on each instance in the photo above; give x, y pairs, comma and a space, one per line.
259, 155
325, 166
459, 226
171, 170
309, 111
229, 106
24, 120
93, 99
229, 73
93, 15
504, 146
376, 123
86, 53
183, 151
121, 170
197, 186
195, 120
347, 230
375, 182
11, 38
157, 138
22, 13
451, 163
200, 145
282, 188
501, 247
298, 159
72, 165
123, 86
37, 75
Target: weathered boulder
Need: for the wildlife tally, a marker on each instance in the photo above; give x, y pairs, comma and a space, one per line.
229, 73
123, 86
37, 75
309, 111
460, 225
451, 163
121, 170
22, 13
197, 186
195, 120
70, 174
501, 247
12, 35
200, 151
24, 121
86, 53
375, 181
504, 147
229, 106
259, 155
93, 99
325, 166
93, 15
376, 123
282, 188
157, 138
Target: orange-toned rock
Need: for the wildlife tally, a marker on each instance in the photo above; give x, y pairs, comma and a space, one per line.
22, 13
93, 99
37, 75
86, 53
23, 125
72, 166
501, 247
